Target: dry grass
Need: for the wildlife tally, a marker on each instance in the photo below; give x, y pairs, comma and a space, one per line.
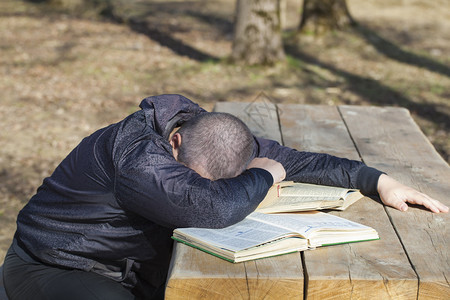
62, 77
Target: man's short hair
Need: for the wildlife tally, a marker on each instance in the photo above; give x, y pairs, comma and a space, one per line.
221, 144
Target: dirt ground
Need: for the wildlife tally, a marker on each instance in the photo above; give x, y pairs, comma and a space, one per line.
62, 76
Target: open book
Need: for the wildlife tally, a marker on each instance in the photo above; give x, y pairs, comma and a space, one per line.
288, 196
263, 235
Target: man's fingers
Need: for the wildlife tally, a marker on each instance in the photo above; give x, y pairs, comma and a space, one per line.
442, 207
436, 206
425, 200
398, 203
275, 168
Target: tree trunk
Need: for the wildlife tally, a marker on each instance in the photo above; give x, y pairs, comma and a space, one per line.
319, 16
257, 38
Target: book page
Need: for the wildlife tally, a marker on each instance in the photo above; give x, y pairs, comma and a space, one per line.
245, 234
313, 191
273, 194
292, 203
291, 197
306, 224
350, 198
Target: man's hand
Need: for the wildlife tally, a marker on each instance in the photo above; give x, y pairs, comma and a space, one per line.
395, 194
270, 165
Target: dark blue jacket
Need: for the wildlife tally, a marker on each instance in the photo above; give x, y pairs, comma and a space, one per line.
111, 205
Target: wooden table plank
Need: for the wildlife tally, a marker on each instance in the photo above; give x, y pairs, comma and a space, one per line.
279, 277
316, 128
197, 275
398, 146
377, 269
261, 117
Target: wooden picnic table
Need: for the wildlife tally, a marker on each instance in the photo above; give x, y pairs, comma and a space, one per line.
411, 259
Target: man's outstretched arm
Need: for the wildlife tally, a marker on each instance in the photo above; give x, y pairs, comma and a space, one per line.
330, 170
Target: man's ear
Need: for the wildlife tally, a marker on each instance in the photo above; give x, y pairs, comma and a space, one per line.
175, 141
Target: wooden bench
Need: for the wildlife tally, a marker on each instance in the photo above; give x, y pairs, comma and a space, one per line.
410, 261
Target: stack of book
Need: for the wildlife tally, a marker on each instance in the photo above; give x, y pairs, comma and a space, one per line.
270, 231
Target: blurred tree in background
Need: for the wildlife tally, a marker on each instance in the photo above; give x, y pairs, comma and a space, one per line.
257, 38
320, 16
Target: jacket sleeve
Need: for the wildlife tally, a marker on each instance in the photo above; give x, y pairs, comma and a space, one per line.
151, 183
320, 168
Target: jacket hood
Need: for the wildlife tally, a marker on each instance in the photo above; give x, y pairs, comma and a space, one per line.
165, 112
